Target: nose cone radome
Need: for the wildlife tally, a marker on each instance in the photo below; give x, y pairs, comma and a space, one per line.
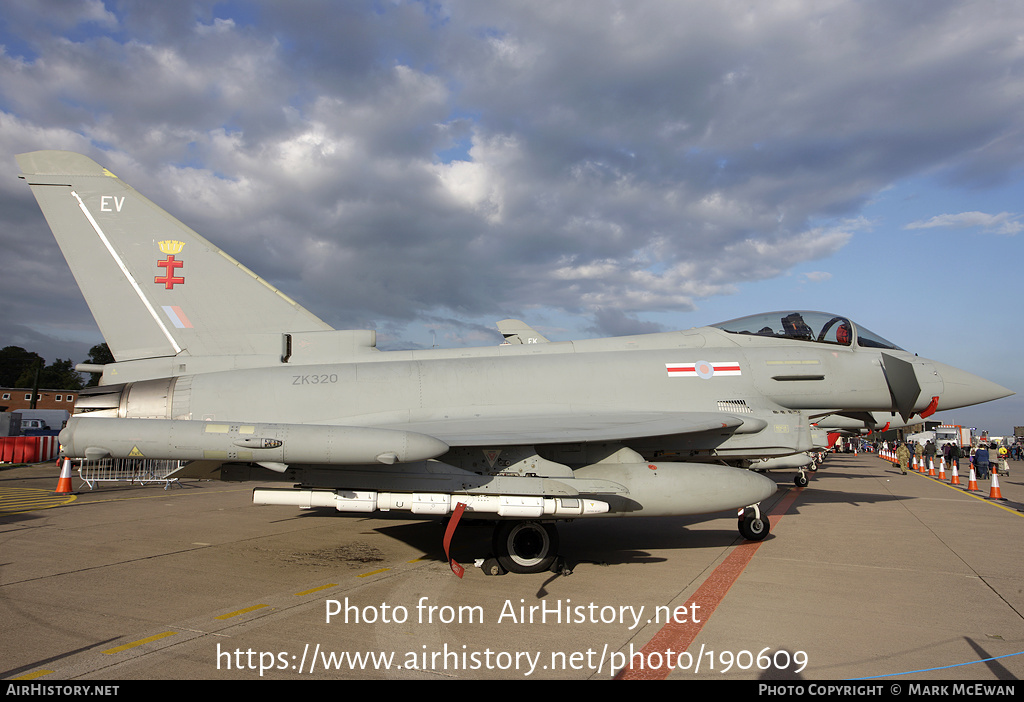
962, 389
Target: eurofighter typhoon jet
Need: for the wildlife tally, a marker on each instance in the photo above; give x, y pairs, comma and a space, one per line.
218, 369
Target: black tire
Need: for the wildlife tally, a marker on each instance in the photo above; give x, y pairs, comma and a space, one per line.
800, 480
492, 567
525, 547
754, 528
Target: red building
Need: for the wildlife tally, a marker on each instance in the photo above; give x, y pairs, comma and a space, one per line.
16, 399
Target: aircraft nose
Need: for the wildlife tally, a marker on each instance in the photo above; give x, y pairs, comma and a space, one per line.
962, 389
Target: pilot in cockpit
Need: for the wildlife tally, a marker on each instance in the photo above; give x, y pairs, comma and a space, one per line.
844, 335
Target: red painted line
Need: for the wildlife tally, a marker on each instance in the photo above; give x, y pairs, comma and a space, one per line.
678, 636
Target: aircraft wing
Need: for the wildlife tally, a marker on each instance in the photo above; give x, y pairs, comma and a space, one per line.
598, 425
357, 444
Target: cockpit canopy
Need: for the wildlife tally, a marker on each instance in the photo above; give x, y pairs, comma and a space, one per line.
817, 327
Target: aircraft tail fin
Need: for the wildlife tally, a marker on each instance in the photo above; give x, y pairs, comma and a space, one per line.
519, 332
155, 287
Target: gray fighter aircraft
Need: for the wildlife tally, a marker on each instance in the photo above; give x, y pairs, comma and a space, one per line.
862, 423
216, 367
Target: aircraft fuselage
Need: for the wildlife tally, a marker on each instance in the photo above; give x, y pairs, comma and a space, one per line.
761, 389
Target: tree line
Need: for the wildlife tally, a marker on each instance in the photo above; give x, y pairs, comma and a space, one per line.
18, 369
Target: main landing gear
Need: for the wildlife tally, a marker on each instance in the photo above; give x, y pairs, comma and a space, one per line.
532, 547
525, 547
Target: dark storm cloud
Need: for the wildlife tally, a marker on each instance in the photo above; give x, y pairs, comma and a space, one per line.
401, 161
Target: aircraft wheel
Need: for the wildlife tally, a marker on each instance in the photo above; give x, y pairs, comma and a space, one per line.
492, 567
525, 547
800, 480
754, 528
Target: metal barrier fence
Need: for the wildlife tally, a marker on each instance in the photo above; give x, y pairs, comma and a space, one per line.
128, 470
28, 449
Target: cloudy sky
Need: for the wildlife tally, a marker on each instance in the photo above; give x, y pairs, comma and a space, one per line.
592, 167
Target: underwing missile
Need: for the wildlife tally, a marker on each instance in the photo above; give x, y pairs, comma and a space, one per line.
532, 507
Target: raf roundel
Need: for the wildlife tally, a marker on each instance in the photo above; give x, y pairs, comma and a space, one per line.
703, 369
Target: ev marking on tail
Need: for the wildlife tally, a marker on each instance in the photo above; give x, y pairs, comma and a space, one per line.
105, 203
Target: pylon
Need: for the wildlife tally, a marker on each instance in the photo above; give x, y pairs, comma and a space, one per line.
64, 483
972, 482
993, 492
942, 468
955, 480
931, 467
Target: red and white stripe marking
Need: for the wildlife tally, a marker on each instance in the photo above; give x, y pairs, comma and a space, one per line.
703, 369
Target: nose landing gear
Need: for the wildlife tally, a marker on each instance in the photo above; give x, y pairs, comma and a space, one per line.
753, 525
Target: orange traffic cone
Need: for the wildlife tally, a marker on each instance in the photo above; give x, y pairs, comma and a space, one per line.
931, 467
994, 492
942, 468
955, 480
64, 483
972, 482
